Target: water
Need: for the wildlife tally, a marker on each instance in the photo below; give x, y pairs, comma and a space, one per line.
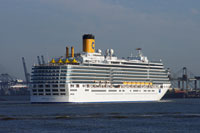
178, 115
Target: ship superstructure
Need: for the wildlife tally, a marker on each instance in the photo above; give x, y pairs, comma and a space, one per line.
90, 76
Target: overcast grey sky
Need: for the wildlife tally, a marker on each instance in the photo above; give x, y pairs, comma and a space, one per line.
164, 29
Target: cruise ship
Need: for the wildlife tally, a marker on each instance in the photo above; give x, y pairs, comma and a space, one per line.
91, 76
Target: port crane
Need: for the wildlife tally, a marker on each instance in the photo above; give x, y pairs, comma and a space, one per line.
27, 75
184, 80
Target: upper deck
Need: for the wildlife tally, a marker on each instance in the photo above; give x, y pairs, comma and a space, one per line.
89, 66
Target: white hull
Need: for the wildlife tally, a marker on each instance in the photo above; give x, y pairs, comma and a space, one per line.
121, 95
90, 76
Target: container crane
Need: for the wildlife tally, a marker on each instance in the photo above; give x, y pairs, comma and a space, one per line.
27, 75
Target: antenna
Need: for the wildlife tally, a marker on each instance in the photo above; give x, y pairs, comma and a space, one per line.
139, 51
47, 57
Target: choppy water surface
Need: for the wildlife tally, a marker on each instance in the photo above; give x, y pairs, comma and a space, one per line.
179, 115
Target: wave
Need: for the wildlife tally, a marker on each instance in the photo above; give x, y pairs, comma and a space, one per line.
114, 115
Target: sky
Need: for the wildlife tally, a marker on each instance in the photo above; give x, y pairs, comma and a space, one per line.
164, 29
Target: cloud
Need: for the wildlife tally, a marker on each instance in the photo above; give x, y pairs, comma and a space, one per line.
195, 11
45, 23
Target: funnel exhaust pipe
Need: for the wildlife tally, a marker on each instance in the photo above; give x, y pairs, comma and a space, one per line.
72, 52
67, 52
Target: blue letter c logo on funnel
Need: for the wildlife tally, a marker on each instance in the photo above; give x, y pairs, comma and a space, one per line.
92, 45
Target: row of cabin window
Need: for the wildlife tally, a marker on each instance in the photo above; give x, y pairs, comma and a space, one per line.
63, 90
122, 90
88, 68
149, 90
48, 90
121, 66
118, 90
108, 90
121, 72
52, 76
45, 78
44, 81
115, 78
40, 94
47, 75
48, 86
46, 71
139, 86
40, 77
48, 78
77, 85
46, 67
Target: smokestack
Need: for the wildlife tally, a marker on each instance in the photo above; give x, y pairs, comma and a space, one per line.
67, 52
42, 57
39, 62
72, 52
88, 43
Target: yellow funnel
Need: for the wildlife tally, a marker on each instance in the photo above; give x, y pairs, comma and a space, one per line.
88, 43
67, 61
74, 61
53, 61
60, 61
